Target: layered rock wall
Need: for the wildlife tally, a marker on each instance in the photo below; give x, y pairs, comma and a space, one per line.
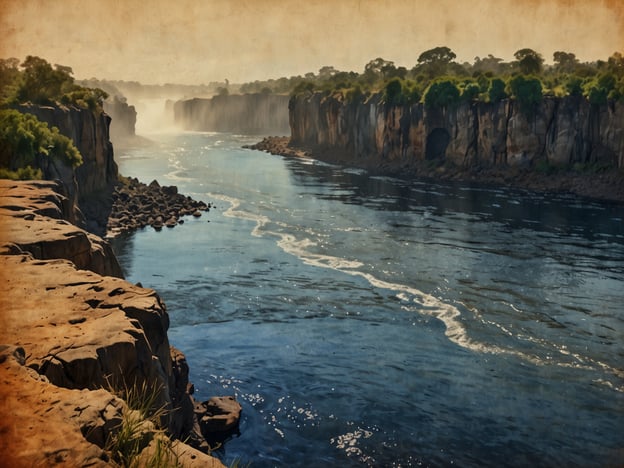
70, 333
35, 218
559, 132
248, 113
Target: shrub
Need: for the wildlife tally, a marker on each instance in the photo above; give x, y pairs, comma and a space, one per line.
601, 88
574, 86
87, 98
393, 94
23, 138
527, 90
442, 93
496, 92
304, 87
470, 92
22, 173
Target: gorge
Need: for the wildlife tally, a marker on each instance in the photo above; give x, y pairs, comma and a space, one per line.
58, 352
559, 144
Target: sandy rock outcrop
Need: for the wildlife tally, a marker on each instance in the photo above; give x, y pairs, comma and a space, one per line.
47, 425
34, 218
69, 335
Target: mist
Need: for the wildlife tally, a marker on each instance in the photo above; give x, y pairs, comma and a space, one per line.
192, 42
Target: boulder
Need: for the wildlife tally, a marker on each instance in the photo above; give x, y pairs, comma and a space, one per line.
218, 416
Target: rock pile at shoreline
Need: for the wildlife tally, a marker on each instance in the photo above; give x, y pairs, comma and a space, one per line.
137, 205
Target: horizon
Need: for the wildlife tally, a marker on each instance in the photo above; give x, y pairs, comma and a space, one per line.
191, 44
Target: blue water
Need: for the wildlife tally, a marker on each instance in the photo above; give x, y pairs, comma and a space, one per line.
372, 321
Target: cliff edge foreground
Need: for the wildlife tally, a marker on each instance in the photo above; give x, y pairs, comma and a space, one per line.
88, 377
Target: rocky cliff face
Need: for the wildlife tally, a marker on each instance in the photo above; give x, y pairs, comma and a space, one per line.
559, 132
89, 131
68, 335
248, 113
123, 117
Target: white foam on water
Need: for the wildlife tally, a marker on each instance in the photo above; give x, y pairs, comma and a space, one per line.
420, 302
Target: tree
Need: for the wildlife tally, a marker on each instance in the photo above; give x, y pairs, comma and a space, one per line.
470, 92
529, 61
327, 72
9, 75
574, 86
42, 84
565, 62
435, 61
436, 55
377, 69
601, 88
490, 64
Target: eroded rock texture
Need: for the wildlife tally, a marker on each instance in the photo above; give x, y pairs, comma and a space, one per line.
559, 131
71, 335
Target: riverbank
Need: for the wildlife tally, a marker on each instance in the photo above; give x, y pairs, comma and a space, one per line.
607, 185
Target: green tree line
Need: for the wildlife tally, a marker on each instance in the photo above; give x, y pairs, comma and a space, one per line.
28, 145
437, 79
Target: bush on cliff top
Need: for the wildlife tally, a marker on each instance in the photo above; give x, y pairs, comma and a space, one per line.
36, 81
443, 93
25, 141
527, 90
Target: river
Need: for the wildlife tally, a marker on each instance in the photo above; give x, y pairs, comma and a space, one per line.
373, 321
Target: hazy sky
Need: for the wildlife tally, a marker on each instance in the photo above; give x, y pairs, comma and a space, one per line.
186, 41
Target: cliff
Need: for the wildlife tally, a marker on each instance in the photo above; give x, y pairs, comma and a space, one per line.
123, 118
89, 130
560, 132
248, 113
72, 338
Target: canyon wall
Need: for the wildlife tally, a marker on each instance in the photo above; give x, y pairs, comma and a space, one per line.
558, 132
247, 113
89, 130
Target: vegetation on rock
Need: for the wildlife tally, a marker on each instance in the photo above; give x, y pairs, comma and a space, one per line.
25, 141
437, 79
